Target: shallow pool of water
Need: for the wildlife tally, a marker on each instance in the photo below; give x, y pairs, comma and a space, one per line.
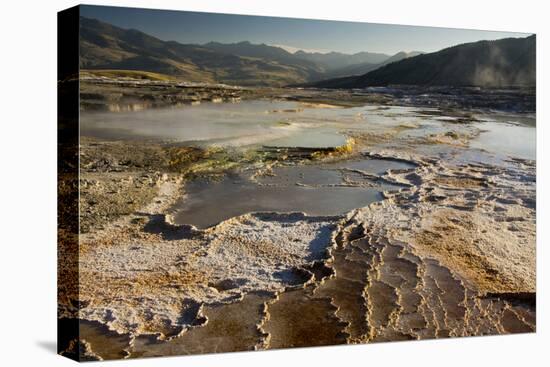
259, 122
507, 139
245, 123
315, 190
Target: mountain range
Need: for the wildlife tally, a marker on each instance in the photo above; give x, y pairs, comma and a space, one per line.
504, 62
365, 67
104, 46
501, 63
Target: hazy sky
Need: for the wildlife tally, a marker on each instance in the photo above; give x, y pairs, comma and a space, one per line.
322, 35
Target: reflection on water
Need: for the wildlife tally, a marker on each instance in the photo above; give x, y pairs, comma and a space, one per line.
507, 139
272, 123
323, 138
250, 122
290, 124
315, 190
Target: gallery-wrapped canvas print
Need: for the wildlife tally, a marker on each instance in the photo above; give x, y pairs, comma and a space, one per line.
237, 183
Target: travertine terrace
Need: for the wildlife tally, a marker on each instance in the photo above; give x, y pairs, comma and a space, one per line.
448, 251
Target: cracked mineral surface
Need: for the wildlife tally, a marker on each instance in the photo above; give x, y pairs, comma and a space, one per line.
411, 226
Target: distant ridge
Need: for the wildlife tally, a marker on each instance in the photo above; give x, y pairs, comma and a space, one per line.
106, 47
362, 68
506, 62
500, 63
337, 60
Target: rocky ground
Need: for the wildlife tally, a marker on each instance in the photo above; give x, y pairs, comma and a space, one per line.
450, 254
100, 92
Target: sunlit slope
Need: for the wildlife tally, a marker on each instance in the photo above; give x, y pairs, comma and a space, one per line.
505, 62
103, 46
